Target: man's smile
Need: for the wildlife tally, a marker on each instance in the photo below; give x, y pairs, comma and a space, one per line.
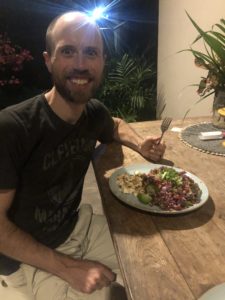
79, 81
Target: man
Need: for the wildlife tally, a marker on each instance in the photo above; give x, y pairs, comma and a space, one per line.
50, 249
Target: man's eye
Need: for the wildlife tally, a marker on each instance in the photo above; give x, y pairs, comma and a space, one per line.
67, 51
91, 52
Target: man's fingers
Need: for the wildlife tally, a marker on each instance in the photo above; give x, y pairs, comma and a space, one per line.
105, 283
101, 283
111, 276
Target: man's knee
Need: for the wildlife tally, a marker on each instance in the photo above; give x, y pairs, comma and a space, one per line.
11, 293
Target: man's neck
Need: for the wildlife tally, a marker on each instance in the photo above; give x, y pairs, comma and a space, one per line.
69, 112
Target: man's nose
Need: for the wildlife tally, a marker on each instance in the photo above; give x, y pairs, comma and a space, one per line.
80, 61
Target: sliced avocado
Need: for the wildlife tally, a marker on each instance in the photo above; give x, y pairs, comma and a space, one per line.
144, 198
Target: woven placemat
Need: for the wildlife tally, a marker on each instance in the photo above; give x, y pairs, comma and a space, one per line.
190, 134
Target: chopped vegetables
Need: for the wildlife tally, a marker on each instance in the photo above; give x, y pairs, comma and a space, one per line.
164, 187
171, 175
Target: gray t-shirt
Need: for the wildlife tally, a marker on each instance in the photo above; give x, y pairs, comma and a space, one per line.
45, 159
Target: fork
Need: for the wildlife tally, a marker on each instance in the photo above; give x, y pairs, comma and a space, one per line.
164, 126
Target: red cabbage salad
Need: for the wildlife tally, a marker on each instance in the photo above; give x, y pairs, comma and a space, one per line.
164, 187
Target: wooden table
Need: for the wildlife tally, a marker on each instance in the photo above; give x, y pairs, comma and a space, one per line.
167, 257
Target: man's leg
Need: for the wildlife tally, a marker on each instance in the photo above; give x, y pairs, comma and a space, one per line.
14, 287
89, 240
99, 245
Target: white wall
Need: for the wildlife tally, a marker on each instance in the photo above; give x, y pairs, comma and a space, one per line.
176, 71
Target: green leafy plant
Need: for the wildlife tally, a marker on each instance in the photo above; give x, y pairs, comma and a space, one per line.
212, 60
129, 87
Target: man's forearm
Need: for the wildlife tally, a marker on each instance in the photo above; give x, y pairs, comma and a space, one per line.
126, 135
83, 275
17, 244
149, 147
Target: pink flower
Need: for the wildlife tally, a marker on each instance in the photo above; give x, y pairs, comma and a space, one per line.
12, 60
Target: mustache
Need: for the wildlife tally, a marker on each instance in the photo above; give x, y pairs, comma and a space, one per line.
78, 73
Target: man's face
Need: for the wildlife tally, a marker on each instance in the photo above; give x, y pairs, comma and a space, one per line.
77, 61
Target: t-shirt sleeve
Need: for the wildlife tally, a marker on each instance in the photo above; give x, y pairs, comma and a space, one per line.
11, 151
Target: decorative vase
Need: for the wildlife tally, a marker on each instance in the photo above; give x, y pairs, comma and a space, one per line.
219, 102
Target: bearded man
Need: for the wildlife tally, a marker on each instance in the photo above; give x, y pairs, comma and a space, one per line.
50, 246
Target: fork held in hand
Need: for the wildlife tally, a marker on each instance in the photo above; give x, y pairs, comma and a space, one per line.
164, 126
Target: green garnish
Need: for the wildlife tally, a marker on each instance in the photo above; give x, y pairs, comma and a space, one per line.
171, 175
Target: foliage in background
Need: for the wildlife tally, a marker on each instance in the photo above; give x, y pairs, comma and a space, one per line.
12, 60
212, 60
129, 88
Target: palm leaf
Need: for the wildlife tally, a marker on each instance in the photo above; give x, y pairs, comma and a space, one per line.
219, 36
213, 43
124, 69
129, 86
201, 55
222, 21
220, 27
138, 100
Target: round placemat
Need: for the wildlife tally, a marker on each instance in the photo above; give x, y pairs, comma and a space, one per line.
190, 136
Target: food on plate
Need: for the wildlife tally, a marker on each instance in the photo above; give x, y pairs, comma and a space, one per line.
164, 187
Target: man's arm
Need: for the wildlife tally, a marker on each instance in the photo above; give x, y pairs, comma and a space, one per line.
148, 147
83, 275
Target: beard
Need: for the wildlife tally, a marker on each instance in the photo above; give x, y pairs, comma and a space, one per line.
74, 95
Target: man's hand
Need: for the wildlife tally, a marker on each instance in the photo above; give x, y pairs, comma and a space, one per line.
148, 147
83, 275
151, 149
86, 276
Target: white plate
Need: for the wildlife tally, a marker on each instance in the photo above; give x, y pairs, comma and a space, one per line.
215, 293
145, 168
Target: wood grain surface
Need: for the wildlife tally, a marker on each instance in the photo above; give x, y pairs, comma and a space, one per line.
162, 257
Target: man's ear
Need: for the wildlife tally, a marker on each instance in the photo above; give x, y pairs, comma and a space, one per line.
48, 62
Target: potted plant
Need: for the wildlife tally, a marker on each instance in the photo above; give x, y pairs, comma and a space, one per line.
213, 60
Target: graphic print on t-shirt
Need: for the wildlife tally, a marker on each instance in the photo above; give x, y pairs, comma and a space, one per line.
68, 158
70, 148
